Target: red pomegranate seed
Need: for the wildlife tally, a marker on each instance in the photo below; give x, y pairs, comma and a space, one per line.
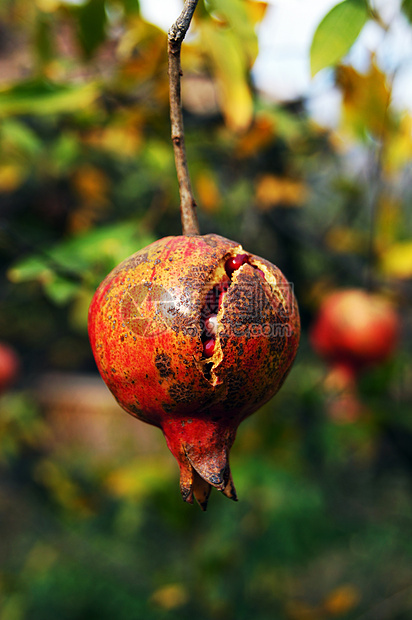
209, 347
233, 263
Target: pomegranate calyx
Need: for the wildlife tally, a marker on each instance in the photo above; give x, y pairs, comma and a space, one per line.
213, 473
193, 485
201, 447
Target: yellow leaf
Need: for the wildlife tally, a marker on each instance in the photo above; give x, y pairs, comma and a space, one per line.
91, 184
341, 600
231, 72
139, 478
121, 140
11, 177
388, 220
207, 191
142, 52
232, 17
256, 10
346, 240
396, 261
398, 151
122, 137
272, 190
170, 597
258, 136
366, 99
48, 6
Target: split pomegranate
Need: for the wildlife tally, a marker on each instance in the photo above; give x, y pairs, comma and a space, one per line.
356, 329
192, 334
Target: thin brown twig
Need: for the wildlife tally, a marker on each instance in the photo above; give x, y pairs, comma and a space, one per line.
176, 35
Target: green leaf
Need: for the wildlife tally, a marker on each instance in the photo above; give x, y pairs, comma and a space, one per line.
19, 136
61, 269
111, 243
45, 97
407, 9
336, 33
43, 38
92, 25
235, 14
61, 290
64, 152
30, 268
131, 7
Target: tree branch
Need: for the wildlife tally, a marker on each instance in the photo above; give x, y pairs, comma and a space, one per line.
176, 35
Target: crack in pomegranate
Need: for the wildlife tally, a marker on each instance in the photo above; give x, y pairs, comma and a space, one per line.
213, 304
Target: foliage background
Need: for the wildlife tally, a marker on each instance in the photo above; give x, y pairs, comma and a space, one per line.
92, 525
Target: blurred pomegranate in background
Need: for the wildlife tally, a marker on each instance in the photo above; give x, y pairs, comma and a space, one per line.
354, 330
9, 366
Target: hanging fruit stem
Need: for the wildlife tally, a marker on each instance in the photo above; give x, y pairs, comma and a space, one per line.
176, 35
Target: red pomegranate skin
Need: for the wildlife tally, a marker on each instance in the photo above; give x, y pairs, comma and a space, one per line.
355, 328
147, 331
